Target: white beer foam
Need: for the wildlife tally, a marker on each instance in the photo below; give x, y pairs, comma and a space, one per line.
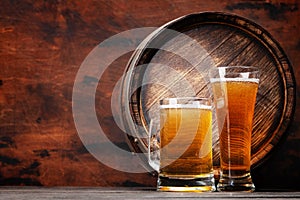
194, 105
254, 80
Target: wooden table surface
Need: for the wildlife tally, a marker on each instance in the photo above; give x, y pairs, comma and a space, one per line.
47, 193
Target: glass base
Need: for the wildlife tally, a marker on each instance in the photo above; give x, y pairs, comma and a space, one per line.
186, 185
236, 184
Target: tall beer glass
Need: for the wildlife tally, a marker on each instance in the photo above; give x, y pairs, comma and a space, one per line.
185, 137
234, 90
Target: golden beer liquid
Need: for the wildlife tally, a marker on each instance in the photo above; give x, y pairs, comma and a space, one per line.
192, 129
235, 138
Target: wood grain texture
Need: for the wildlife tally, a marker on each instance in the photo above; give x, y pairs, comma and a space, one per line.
88, 193
42, 45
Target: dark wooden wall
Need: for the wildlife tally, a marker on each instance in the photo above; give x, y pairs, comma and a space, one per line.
42, 45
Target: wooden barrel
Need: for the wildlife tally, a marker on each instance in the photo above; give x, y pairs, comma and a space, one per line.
174, 61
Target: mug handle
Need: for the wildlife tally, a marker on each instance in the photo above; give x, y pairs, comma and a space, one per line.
154, 145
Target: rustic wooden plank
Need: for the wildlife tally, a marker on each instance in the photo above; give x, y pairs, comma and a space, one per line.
131, 193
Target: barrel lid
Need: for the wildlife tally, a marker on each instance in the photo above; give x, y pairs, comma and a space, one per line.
174, 61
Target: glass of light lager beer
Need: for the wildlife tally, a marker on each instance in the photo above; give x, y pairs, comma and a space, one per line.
182, 140
234, 89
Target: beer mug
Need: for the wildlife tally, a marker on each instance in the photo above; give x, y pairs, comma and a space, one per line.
180, 145
234, 89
